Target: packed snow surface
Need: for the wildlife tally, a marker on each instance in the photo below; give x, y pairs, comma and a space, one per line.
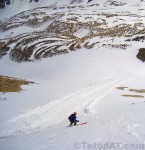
84, 81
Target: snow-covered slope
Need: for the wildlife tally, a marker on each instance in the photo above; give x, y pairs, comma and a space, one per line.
77, 54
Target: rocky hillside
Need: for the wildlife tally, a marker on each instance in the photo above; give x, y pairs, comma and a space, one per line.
53, 30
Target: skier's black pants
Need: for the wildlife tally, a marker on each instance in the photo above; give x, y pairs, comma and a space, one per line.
73, 122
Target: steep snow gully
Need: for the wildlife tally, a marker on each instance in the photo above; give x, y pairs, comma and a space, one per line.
55, 112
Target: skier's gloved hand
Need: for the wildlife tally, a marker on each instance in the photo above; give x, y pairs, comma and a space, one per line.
77, 120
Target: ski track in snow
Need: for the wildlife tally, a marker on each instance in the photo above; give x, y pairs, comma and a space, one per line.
57, 111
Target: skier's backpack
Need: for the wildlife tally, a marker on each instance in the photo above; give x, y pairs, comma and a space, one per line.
71, 117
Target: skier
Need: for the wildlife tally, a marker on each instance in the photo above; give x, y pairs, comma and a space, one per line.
73, 119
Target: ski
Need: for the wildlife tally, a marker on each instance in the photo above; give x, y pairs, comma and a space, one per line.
83, 123
79, 124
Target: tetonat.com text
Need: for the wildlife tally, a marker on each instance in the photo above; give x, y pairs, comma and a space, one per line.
108, 146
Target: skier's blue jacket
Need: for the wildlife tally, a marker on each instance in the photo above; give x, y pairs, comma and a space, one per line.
75, 118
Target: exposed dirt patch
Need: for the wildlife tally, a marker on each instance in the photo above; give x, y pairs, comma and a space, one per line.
9, 84
2, 44
135, 96
137, 91
132, 90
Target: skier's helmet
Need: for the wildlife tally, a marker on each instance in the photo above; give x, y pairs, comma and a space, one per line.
75, 113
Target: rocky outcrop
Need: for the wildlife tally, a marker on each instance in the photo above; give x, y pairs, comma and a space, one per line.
141, 54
